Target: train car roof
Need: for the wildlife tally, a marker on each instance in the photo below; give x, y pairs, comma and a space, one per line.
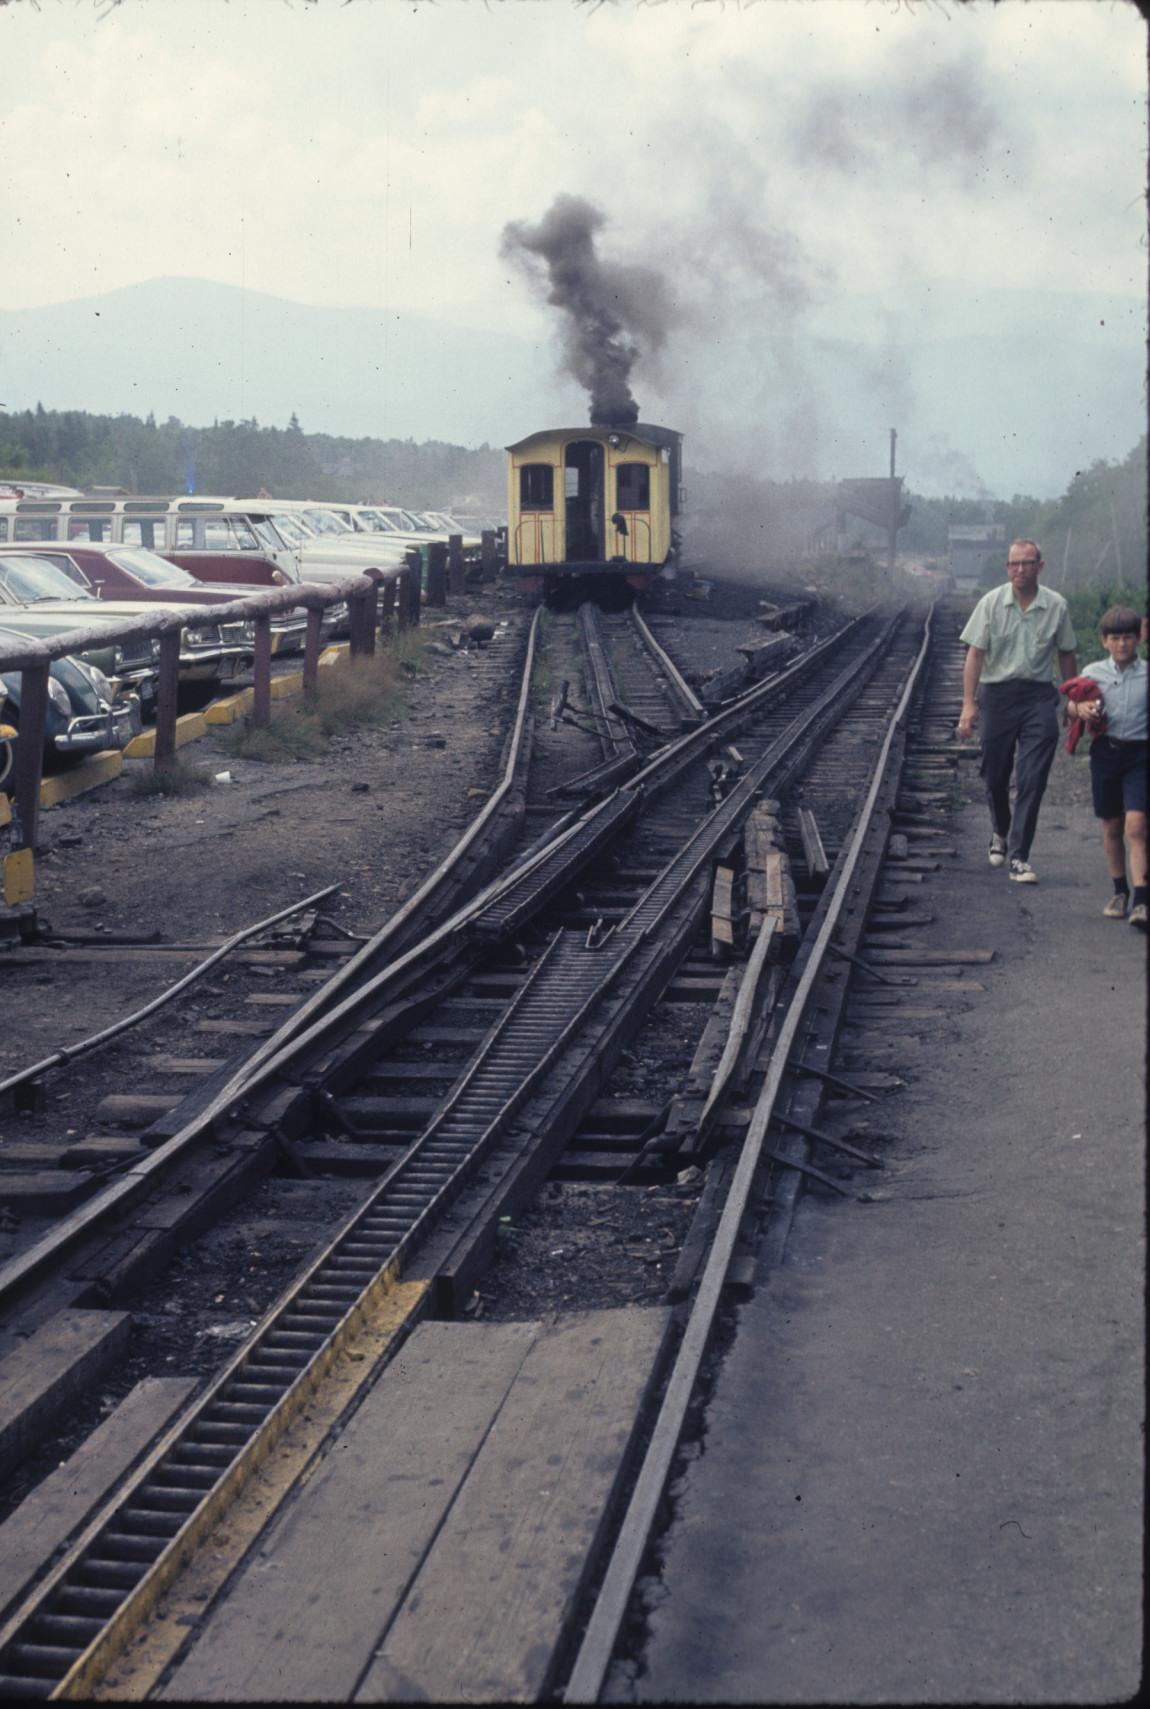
644, 430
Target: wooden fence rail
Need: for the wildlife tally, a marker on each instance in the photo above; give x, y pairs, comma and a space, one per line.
33, 660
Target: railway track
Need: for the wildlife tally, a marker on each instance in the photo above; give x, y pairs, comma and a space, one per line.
457, 1055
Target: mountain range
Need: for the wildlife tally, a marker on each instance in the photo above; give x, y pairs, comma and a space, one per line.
1008, 392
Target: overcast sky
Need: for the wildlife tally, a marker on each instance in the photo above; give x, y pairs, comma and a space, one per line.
795, 167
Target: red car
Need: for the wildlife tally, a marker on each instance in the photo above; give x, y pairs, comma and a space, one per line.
134, 572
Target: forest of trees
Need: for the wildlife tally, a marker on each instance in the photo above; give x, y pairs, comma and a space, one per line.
78, 449
1094, 533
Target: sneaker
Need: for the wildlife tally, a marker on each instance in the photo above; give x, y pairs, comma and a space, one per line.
996, 854
1022, 872
1138, 915
1115, 909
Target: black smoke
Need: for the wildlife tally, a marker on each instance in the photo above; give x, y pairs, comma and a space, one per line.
615, 314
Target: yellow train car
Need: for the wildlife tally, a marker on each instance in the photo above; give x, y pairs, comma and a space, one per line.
593, 501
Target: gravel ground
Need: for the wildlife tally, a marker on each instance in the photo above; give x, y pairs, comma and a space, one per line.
374, 814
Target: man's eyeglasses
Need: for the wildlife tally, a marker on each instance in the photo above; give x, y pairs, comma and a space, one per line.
1021, 563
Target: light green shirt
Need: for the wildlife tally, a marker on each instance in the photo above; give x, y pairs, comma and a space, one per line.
1020, 646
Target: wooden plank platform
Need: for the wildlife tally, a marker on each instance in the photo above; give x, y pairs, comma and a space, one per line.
58, 1507
436, 1552
41, 1378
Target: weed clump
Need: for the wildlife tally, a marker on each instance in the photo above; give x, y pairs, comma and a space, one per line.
350, 694
174, 779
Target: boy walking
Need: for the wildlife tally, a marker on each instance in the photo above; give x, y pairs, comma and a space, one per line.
1118, 758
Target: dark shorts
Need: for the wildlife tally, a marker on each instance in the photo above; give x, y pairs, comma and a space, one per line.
1117, 777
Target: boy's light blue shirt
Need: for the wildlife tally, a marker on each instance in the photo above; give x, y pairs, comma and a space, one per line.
1020, 646
1123, 697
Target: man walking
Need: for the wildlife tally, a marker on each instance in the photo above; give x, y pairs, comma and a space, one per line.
1012, 637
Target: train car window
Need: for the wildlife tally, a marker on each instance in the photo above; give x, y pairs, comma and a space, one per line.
536, 486
34, 528
3, 528
144, 531
96, 529
633, 486
185, 534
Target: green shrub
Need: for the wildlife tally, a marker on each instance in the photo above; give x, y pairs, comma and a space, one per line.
1086, 609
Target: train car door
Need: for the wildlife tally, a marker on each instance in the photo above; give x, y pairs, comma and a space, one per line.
583, 487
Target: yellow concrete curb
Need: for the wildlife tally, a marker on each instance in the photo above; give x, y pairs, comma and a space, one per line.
89, 774
5, 810
188, 729
231, 709
332, 655
19, 877
283, 687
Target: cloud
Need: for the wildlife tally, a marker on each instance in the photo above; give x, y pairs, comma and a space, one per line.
797, 173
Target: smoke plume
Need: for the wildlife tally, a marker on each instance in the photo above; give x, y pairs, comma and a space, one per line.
615, 314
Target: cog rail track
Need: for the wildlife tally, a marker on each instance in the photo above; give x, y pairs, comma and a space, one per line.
584, 983
810, 1008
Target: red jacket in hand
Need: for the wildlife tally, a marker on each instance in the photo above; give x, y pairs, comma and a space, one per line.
1078, 689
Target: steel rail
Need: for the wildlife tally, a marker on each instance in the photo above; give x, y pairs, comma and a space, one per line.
308, 1027
667, 664
18, 1271
617, 742
140, 1540
415, 905
662, 769
788, 750
84, 1047
589, 1671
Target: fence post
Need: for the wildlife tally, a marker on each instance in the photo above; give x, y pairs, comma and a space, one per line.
455, 570
487, 554
355, 624
387, 610
311, 649
371, 611
437, 573
262, 673
167, 698
409, 590
29, 767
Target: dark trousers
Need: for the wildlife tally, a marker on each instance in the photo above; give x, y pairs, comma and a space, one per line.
1019, 732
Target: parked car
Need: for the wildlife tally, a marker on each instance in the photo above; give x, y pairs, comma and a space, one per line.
266, 541
85, 714
132, 572
37, 598
411, 527
448, 525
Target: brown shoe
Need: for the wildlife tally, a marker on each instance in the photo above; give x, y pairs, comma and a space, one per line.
1115, 909
1138, 915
